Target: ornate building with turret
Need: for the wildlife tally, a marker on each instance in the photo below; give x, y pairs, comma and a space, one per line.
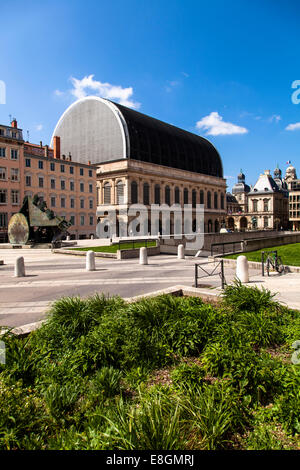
261, 207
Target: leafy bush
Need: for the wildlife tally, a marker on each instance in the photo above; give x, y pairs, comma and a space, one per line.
80, 381
241, 297
188, 375
106, 381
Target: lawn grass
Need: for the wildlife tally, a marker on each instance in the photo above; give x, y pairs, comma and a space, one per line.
114, 248
290, 254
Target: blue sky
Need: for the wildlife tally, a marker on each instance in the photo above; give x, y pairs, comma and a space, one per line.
223, 69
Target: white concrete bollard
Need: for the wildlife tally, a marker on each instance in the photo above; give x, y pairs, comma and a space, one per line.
20, 267
92, 237
68, 238
90, 261
143, 255
180, 252
242, 270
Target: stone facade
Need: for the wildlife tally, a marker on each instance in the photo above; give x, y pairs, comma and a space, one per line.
127, 182
263, 207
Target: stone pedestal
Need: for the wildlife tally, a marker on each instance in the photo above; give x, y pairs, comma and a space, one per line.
242, 270
143, 255
90, 261
19, 267
180, 252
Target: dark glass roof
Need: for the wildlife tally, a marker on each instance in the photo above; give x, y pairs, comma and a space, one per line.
157, 142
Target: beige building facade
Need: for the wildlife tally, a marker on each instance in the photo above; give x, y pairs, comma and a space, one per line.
123, 183
262, 207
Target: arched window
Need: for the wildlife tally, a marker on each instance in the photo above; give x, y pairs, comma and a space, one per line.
134, 192
157, 194
120, 192
222, 201
208, 199
177, 195
185, 196
216, 201
194, 198
209, 226
146, 200
217, 226
107, 193
167, 195
201, 196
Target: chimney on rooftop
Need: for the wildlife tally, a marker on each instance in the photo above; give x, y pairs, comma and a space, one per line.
46, 150
14, 123
56, 146
41, 144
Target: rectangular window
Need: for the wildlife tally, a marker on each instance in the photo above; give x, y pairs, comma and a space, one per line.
91, 203
15, 196
91, 220
82, 187
90, 188
81, 171
3, 219
82, 220
71, 170
72, 219
81, 203
53, 202
27, 162
62, 168
41, 164
52, 166
72, 203
28, 180
41, 182
14, 154
14, 174
2, 152
62, 202
90, 173
1, 131
2, 173
71, 185
63, 185
3, 196
52, 183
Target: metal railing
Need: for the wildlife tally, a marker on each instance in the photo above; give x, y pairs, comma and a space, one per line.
222, 244
136, 241
219, 264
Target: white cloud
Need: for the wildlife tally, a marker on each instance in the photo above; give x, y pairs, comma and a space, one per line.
214, 125
39, 127
293, 127
89, 86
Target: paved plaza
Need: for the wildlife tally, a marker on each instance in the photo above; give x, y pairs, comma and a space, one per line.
50, 276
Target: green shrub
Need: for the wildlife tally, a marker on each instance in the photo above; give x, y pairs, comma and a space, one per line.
21, 413
188, 375
252, 299
215, 412
106, 381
